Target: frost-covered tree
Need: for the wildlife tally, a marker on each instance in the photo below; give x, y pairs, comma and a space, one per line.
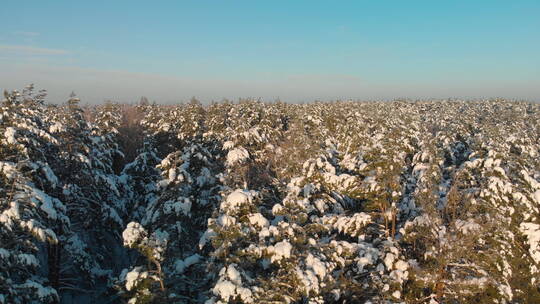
253, 202
31, 218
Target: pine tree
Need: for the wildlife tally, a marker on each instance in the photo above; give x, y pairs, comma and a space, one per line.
30, 219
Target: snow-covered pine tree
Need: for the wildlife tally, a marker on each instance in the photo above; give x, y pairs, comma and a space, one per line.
31, 220
93, 197
176, 211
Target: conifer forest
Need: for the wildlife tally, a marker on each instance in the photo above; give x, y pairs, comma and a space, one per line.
428, 201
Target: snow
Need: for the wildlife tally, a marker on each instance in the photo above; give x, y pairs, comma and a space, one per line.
36, 229
48, 203
28, 259
8, 169
225, 289
309, 280
236, 199
228, 145
237, 155
532, 231
536, 196
245, 294
205, 178
183, 207
8, 215
352, 225
99, 272
316, 265
181, 265
9, 134
172, 174
342, 182
466, 227
41, 291
229, 285
234, 275
49, 175
56, 127
401, 265
258, 220
207, 235
399, 275
280, 251
83, 158
134, 276
389, 260
161, 236
277, 209
179, 207
4, 254
315, 235
133, 232
225, 220
506, 290
320, 204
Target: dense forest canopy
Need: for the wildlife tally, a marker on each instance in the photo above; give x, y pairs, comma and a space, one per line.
252, 202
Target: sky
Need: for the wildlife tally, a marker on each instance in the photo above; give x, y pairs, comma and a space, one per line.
296, 51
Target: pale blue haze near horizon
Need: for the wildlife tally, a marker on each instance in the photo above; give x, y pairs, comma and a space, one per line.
291, 50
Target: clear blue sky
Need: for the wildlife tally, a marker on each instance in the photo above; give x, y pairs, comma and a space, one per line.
294, 50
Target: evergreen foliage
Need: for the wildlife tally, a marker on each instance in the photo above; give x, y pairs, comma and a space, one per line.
252, 202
